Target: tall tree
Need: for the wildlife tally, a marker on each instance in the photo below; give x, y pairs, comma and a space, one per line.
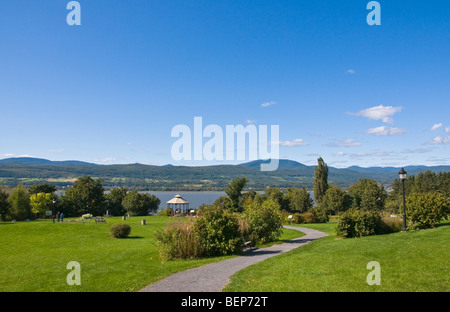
41, 202
298, 200
234, 192
42, 188
140, 204
19, 203
4, 205
278, 196
320, 180
336, 200
85, 196
114, 201
367, 194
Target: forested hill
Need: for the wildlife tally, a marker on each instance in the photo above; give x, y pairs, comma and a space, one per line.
202, 178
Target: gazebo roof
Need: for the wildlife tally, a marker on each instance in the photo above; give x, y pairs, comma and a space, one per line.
178, 200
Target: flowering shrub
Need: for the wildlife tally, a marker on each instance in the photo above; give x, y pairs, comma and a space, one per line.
86, 216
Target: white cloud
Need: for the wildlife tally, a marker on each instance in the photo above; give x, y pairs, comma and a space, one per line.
250, 122
385, 131
351, 72
267, 104
440, 140
372, 154
436, 126
380, 112
296, 142
105, 159
345, 143
447, 130
18, 156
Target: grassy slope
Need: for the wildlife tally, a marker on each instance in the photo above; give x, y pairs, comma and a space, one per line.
413, 261
34, 255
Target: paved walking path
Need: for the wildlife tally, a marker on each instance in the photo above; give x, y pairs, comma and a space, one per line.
214, 276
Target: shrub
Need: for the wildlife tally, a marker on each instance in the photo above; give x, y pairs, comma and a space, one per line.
86, 216
389, 224
320, 214
265, 221
425, 210
218, 231
308, 217
165, 212
179, 241
358, 223
297, 218
213, 233
120, 230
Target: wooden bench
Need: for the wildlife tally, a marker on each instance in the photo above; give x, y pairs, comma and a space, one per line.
248, 244
100, 220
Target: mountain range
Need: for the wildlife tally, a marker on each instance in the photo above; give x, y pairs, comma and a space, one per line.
290, 173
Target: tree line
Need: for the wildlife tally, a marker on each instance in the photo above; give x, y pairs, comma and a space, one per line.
368, 194
86, 196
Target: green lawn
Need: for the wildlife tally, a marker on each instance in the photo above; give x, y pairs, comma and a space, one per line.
410, 262
34, 255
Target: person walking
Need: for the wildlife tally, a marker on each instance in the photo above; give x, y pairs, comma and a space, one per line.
62, 217
58, 216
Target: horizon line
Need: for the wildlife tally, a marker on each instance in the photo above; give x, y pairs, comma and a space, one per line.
211, 165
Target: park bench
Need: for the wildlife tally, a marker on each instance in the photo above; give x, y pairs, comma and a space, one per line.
248, 245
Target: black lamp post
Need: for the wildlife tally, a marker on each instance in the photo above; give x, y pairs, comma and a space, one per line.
402, 175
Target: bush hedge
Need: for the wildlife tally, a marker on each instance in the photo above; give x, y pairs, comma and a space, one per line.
120, 230
425, 210
358, 223
318, 215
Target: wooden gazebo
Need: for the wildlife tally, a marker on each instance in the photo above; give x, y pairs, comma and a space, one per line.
178, 202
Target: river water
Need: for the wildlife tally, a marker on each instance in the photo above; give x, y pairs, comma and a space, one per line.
195, 199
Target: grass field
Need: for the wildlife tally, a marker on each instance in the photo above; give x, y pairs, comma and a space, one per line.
410, 262
34, 255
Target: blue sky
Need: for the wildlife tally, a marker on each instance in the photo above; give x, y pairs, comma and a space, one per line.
111, 90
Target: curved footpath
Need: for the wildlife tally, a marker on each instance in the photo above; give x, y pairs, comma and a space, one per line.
215, 276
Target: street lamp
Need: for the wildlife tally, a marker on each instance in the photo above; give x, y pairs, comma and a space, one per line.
402, 175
